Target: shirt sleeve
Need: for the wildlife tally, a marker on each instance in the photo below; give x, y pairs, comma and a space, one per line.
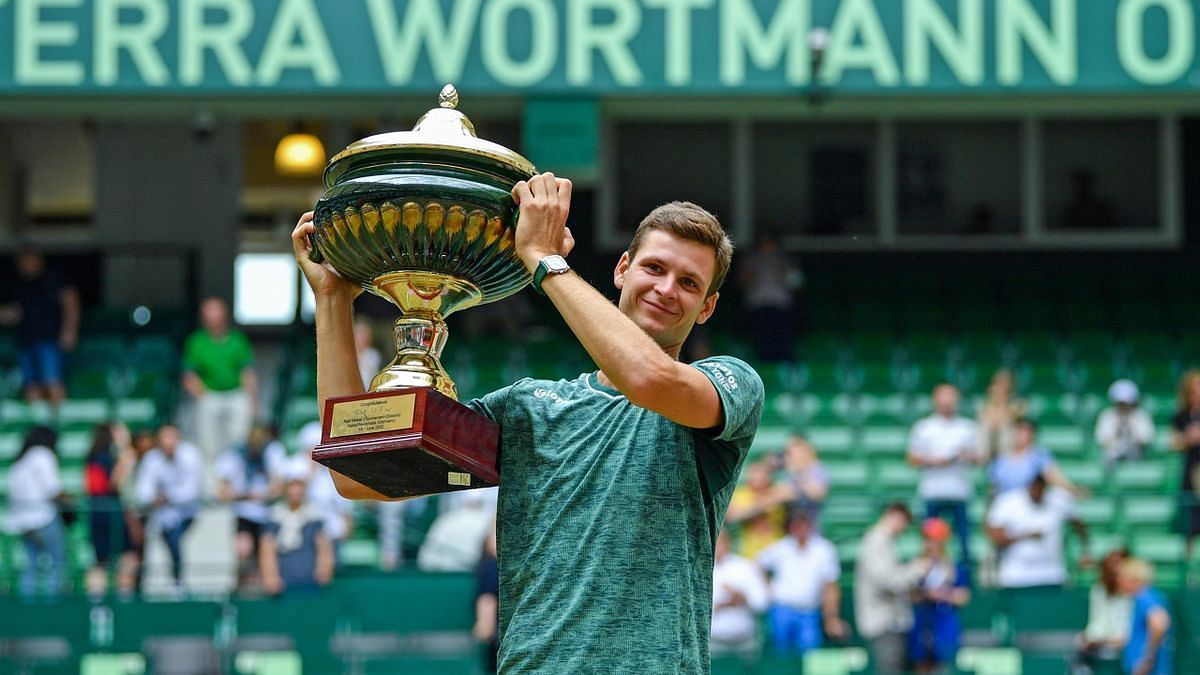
245, 351
225, 466
495, 404
832, 570
1104, 427
998, 515
741, 392
145, 488
916, 440
190, 357
47, 468
754, 587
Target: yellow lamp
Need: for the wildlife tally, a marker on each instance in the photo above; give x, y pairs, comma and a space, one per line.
300, 155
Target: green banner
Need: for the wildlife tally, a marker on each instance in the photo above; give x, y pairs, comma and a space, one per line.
591, 47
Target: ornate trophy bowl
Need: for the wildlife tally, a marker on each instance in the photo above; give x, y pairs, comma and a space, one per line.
425, 219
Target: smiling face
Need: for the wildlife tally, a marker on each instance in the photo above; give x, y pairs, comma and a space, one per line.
664, 287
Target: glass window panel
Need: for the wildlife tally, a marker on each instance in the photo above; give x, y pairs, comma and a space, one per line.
1101, 175
264, 288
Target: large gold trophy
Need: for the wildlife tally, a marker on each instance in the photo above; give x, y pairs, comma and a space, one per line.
425, 219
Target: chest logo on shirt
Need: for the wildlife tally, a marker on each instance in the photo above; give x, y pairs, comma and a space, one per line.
723, 375
546, 393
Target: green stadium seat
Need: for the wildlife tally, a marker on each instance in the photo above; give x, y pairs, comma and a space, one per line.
74, 445
836, 660
1064, 442
1098, 512
1149, 514
847, 477
359, 553
837, 440
892, 440
769, 440
897, 480
10, 445
1143, 477
137, 412
1091, 475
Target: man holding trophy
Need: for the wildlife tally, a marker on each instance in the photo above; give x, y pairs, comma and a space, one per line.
614, 483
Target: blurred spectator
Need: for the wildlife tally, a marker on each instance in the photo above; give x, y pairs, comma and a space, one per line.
391, 533
251, 477
295, 553
942, 590
758, 507
998, 414
1186, 440
369, 360
943, 446
769, 280
1086, 210
34, 488
218, 364
807, 479
337, 511
1026, 526
487, 603
1016, 468
1109, 617
1124, 430
455, 539
1150, 650
805, 596
109, 465
739, 598
882, 591
168, 484
47, 315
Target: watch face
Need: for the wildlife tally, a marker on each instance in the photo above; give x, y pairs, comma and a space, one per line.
555, 264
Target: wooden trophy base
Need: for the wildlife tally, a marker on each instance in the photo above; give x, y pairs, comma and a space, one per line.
409, 442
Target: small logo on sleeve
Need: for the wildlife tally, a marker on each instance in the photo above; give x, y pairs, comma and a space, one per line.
546, 393
723, 376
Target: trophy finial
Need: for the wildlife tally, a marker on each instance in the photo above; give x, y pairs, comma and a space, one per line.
449, 97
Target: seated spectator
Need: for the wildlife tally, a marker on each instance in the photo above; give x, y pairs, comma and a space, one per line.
168, 484
454, 542
998, 414
1016, 468
882, 591
1109, 617
487, 603
250, 477
758, 506
295, 554
1124, 430
739, 598
1185, 440
34, 488
944, 446
941, 592
110, 463
322, 494
1026, 526
1150, 650
805, 596
806, 478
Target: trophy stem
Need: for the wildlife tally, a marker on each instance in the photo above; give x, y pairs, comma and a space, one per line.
420, 336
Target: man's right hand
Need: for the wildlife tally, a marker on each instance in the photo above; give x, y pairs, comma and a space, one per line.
323, 280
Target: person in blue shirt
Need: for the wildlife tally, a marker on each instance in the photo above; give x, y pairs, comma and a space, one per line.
941, 593
1149, 650
1014, 468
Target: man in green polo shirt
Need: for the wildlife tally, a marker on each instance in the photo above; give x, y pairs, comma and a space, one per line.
218, 372
614, 484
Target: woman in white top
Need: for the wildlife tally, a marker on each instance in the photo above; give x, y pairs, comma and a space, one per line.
34, 485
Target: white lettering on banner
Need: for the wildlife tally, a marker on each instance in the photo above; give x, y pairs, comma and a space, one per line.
137, 39
742, 34
298, 19
1181, 43
677, 38
446, 41
31, 32
723, 375
223, 39
855, 19
1055, 46
610, 40
925, 23
543, 42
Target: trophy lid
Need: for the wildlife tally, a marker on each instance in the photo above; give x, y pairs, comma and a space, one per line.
442, 129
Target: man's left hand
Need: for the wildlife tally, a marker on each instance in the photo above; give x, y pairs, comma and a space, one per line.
542, 228
836, 629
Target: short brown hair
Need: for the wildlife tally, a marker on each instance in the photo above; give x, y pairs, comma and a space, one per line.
691, 222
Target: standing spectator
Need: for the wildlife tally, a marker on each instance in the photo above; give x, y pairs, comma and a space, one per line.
168, 483
943, 446
487, 603
34, 488
47, 315
998, 414
295, 553
1150, 649
251, 477
758, 506
882, 591
337, 511
1016, 468
769, 281
805, 597
110, 463
218, 364
1026, 526
1109, 616
369, 360
807, 479
1124, 430
1186, 440
739, 598
942, 590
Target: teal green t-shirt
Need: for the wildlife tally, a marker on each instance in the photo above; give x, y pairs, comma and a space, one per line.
606, 523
